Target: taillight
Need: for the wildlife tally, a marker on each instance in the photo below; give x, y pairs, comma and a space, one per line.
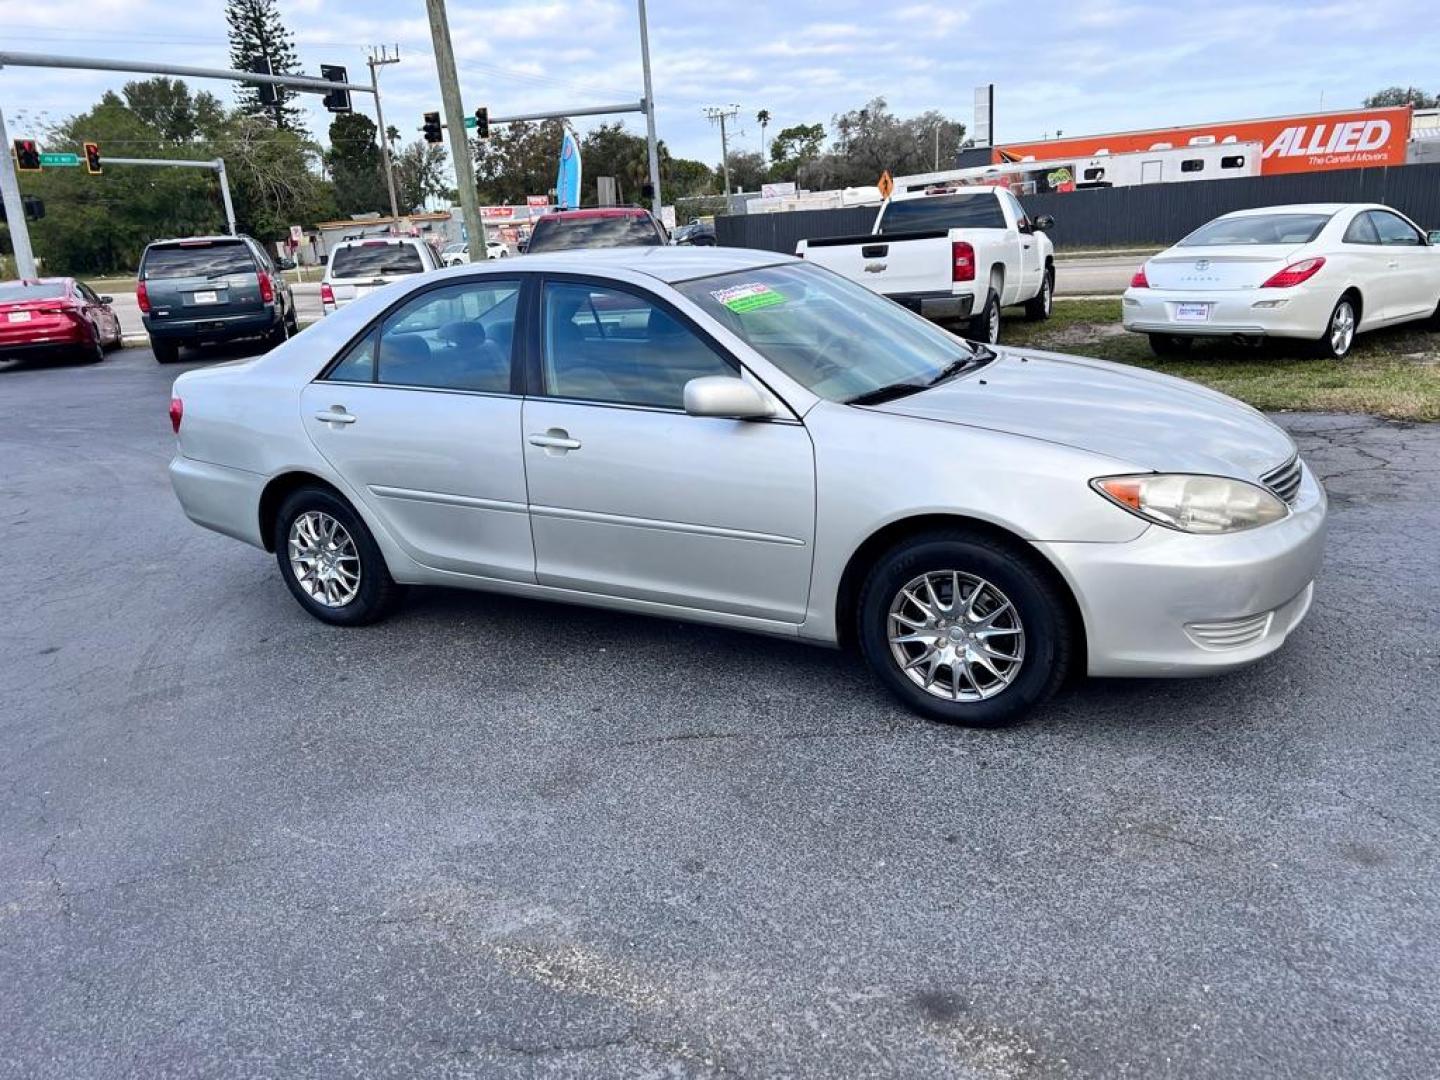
327, 294
1140, 281
177, 413
267, 290
962, 261
142, 297
1295, 273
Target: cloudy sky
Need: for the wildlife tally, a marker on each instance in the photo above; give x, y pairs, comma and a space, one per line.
1078, 66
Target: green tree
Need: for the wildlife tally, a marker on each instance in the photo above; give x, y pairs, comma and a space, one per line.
685, 177
1403, 95
168, 106
611, 150
518, 160
355, 165
747, 170
419, 175
793, 147
257, 32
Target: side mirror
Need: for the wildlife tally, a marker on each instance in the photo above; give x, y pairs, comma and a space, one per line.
1044, 221
1434, 237
107, 299
725, 396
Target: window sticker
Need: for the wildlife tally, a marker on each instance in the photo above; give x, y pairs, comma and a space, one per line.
743, 298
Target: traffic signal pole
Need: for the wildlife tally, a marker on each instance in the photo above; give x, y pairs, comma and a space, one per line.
455, 121
15, 209
217, 166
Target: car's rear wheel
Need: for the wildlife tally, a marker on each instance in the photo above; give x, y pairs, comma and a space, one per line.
93, 352
166, 351
1339, 336
1038, 306
964, 629
1170, 344
330, 561
986, 326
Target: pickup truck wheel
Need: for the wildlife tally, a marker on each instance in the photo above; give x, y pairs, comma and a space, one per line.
1038, 306
986, 326
166, 352
1169, 345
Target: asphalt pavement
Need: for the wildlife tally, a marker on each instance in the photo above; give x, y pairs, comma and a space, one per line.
503, 837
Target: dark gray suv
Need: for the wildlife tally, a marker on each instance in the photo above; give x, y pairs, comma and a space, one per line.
211, 289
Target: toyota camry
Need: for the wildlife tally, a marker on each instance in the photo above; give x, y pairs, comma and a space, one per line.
737, 438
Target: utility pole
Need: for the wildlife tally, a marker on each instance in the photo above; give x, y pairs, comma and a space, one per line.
655, 199
374, 63
455, 121
719, 114
15, 209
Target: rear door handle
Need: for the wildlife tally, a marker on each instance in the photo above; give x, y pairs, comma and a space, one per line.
555, 439
337, 415
1393, 265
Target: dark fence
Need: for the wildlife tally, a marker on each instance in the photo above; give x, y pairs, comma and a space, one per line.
1145, 215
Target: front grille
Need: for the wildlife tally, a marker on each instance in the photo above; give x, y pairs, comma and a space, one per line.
1285, 481
1230, 634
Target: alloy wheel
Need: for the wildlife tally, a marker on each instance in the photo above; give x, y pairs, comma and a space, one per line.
324, 559
1342, 328
956, 636
992, 325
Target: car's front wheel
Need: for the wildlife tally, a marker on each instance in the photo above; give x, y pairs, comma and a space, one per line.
964, 628
330, 560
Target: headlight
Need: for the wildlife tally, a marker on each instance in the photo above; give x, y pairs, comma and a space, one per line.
1193, 504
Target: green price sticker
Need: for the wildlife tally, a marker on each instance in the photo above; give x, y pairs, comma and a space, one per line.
743, 298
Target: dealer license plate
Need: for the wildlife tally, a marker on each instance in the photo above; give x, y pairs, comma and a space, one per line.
19, 316
1192, 312
207, 297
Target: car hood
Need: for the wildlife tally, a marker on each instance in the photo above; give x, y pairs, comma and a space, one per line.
1156, 421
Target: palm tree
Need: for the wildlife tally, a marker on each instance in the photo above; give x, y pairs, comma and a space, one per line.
763, 119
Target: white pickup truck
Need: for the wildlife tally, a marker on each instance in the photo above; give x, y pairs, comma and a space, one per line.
956, 257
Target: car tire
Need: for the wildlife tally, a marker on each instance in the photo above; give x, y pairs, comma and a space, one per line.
279, 335
337, 536
985, 327
292, 323
94, 352
1339, 336
1000, 590
1170, 344
166, 351
1037, 308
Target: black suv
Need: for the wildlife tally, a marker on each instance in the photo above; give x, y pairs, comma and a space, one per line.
211, 289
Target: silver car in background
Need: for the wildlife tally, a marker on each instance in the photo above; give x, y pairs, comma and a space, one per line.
738, 438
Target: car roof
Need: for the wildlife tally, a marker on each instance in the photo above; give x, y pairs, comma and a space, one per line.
662, 262
1304, 208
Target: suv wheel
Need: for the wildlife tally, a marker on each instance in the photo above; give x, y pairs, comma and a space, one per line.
330, 561
964, 629
165, 350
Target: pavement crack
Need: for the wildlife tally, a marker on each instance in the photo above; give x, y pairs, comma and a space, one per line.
1389, 816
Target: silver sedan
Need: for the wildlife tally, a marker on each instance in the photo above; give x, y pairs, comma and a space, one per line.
739, 438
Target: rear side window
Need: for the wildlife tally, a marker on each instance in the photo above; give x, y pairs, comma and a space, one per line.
978, 211
564, 234
1258, 229
375, 259
205, 260
1362, 231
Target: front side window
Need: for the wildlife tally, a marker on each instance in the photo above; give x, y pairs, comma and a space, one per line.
1257, 229
455, 338
836, 338
1394, 230
607, 345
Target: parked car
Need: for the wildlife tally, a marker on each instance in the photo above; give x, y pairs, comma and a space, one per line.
955, 256
211, 289
56, 317
601, 227
458, 253
357, 268
1317, 272
734, 437
696, 234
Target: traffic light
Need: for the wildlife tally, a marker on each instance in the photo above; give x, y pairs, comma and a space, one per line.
265, 92
337, 101
482, 122
432, 128
92, 158
34, 208
27, 155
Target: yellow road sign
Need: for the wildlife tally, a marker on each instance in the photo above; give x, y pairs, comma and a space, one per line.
885, 184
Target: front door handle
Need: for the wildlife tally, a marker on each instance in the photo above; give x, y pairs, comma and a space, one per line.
336, 414
557, 440
1393, 265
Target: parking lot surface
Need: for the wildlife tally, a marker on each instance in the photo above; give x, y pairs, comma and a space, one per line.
497, 836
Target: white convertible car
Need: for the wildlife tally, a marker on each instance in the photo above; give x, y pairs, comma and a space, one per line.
1320, 272
740, 438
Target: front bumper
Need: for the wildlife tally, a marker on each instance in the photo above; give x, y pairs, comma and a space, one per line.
1170, 603
216, 328
1299, 312
941, 307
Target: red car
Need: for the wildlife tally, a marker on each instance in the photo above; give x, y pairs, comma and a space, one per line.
56, 317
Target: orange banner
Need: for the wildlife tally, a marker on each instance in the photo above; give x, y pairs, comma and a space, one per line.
1317, 141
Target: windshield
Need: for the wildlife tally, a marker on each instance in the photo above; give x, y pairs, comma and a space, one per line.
563, 234
837, 339
978, 211
1258, 229
12, 291
375, 259
204, 260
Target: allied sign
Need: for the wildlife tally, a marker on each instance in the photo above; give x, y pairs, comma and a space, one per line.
62, 161
1313, 142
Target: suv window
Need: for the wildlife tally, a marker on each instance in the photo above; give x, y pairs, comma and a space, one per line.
978, 211
1394, 230
455, 338
375, 258
207, 259
1361, 231
562, 233
604, 344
